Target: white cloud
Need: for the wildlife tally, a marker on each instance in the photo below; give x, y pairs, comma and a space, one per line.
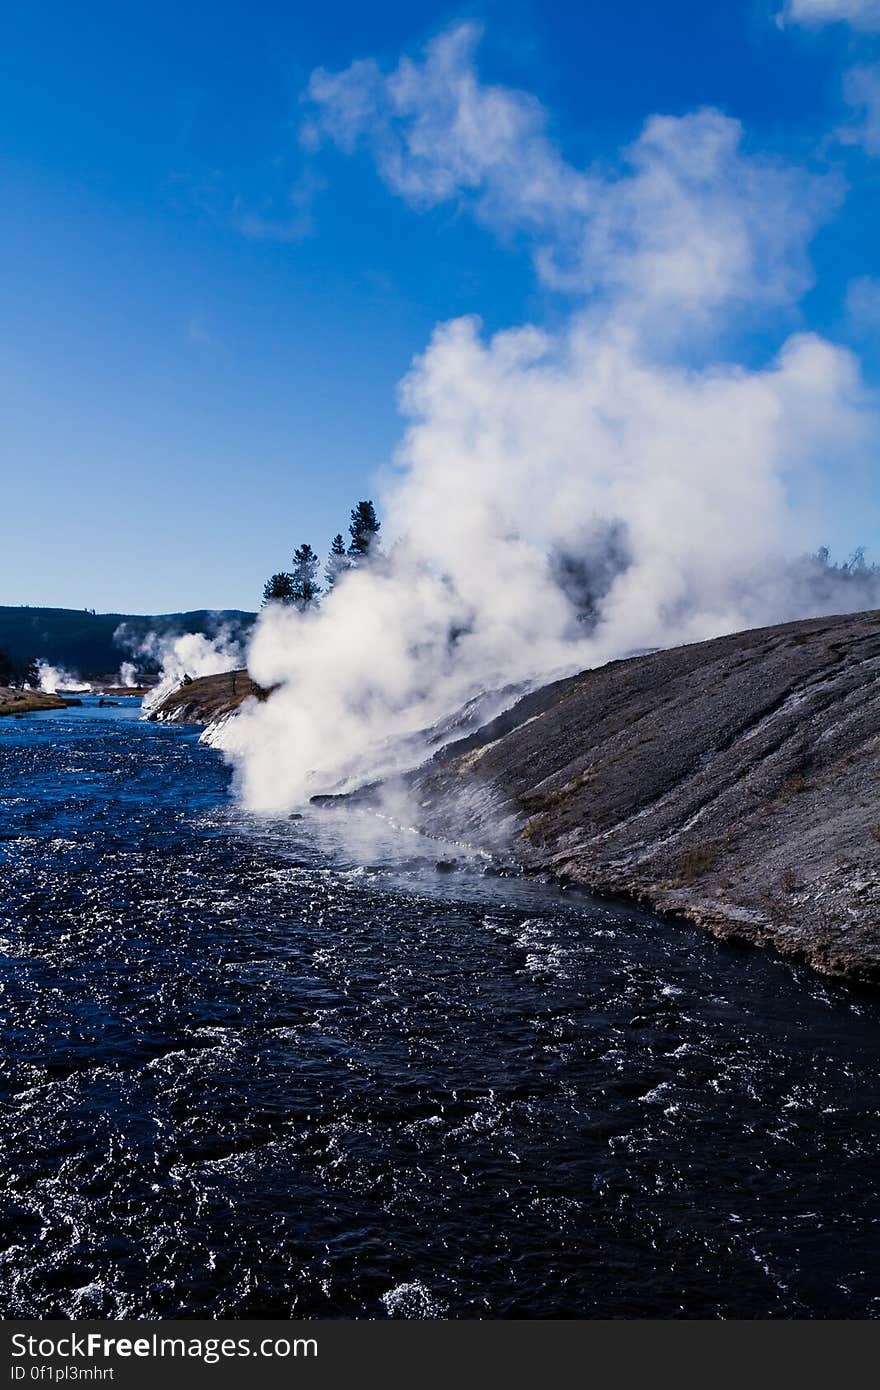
863, 301
861, 89
861, 14
698, 225
292, 222
690, 221
437, 132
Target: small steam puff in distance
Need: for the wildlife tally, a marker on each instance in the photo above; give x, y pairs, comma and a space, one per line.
566, 498
54, 679
181, 654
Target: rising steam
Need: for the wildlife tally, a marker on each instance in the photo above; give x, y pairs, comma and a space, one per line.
184, 654
54, 679
561, 499
128, 675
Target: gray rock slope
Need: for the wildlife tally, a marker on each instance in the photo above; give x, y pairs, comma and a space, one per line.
734, 782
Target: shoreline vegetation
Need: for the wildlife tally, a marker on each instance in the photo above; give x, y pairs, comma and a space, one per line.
731, 782
14, 701
206, 699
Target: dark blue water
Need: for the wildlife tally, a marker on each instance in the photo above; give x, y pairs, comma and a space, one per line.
288, 1068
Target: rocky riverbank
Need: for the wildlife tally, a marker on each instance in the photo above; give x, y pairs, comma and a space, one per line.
13, 701
206, 699
733, 782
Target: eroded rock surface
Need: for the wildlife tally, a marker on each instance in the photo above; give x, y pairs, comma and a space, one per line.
733, 781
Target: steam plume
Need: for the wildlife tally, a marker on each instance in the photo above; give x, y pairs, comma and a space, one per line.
55, 678
563, 498
186, 654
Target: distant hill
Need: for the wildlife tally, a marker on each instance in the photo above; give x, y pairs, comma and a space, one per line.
82, 642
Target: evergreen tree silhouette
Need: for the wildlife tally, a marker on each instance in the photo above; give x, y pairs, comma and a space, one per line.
363, 530
278, 589
305, 576
337, 561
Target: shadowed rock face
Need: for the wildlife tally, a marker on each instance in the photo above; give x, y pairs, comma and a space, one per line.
733, 781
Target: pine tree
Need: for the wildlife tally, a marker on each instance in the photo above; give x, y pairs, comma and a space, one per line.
337, 561
305, 576
364, 530
278, 589
18, 673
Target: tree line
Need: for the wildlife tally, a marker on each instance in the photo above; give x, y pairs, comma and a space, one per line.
300, 585
856, 567
18, 673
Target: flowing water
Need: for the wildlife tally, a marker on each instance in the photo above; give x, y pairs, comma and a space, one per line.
280, 1068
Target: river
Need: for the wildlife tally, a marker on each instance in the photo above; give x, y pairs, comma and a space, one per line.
291, 1068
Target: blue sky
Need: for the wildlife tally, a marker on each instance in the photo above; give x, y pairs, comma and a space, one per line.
203, 323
